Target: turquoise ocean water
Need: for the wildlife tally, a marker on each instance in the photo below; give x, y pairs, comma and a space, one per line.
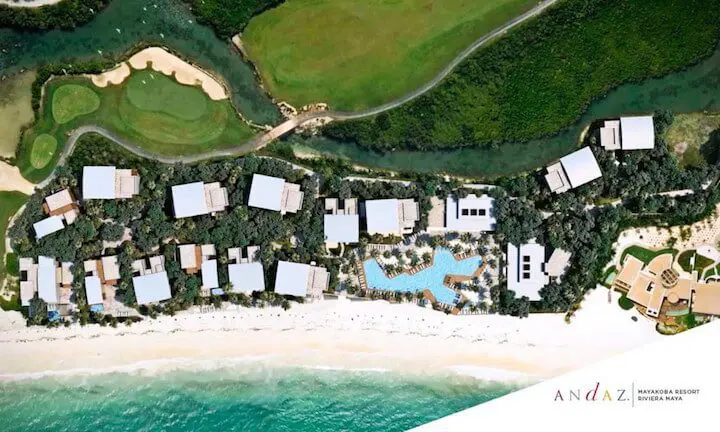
232, 399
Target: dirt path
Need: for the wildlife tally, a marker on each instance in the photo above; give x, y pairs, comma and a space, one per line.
12, 180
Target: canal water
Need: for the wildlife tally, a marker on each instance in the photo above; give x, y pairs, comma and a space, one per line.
694, 89
125, 23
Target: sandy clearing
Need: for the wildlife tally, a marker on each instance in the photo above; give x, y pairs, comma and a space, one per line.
29, 3
114, 76
12, 180
185, 73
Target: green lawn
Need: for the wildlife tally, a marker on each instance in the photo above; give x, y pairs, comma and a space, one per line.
541, 77
700, 261
43, 150
10, 202
71, 101
645, 255
355, 54
149, 109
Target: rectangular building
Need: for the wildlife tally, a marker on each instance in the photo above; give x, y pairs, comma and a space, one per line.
628, 133
391, 216
273, 193
470, 214
342, 222
301, 280
196, 199
573, 170
108, 182
526, 273
151, 283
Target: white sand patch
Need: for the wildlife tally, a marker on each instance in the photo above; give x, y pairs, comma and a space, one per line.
12, 180
332, 334
185, 73
28, 3
114, 76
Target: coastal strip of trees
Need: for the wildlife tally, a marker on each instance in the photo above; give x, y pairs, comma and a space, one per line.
66, 14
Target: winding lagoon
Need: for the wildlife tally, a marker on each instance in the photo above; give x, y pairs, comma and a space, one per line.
125, 23
694, 89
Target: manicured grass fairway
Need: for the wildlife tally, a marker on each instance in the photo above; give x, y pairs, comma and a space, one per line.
71, 101
148, 109
43, 150
355, 54
10, 202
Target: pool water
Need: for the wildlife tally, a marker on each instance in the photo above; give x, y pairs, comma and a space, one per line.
430, 278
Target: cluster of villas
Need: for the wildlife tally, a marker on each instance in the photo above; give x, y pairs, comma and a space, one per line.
52, 281
581, 167
529, 267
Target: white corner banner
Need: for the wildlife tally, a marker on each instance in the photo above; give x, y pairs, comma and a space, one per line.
672, 383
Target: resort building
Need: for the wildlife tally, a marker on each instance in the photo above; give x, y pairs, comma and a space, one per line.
245, 273
391, 216
658, 285
301, 280
151, 282
51, 282
573, 170
628, 133
195, 199
526, 274
342, 221
194, 258
108, 182
101, 276
61, 208
273, 193
470, 214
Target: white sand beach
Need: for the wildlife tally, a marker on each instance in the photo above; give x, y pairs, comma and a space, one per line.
185, 73
113, 76
331, 334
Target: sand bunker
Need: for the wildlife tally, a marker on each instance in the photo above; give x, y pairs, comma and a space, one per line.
166, 63
185, 73
113, 76
12, 180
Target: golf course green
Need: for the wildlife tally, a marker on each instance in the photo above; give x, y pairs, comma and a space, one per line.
150, 110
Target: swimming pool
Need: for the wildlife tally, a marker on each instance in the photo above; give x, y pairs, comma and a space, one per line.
430, 278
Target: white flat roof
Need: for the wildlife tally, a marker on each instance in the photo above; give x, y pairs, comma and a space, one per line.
341, 228
382, 216
292, 279
637, 133
581, 167
48, 226
189, 200
151, 288
188, 260
47, 280
246, 278
209, 274
266, 192
98, 182
470, 214
93, 290
525, 270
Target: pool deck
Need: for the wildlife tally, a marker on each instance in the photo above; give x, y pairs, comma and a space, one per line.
449, 281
